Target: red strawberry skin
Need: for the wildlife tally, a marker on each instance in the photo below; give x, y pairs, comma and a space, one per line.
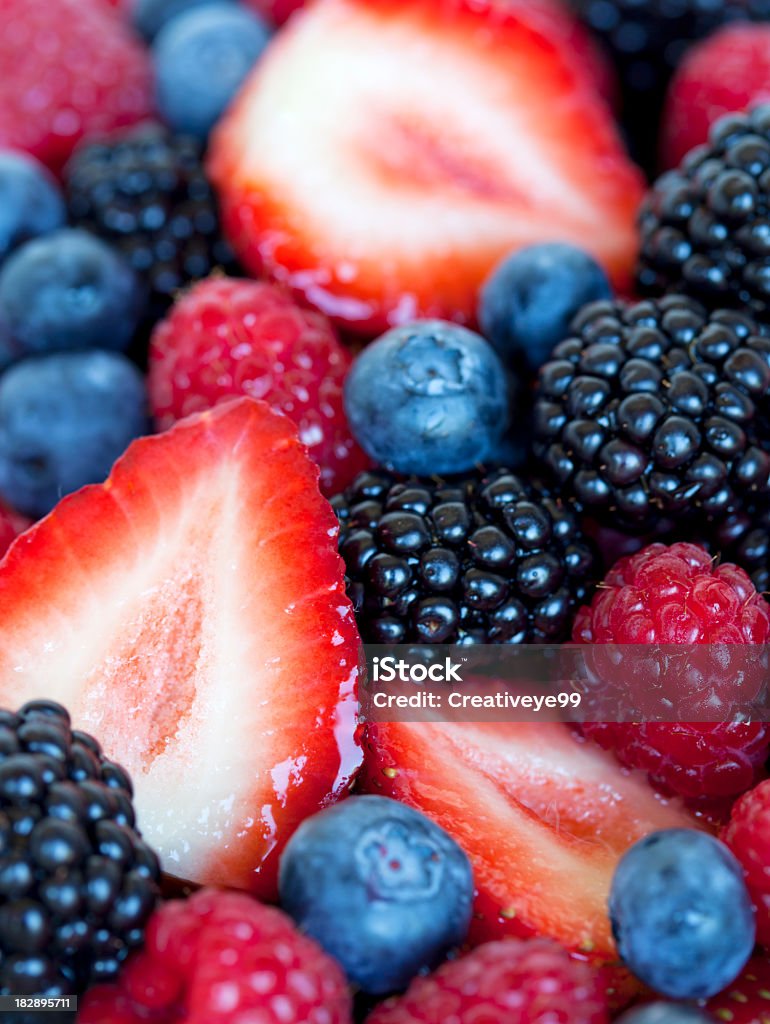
227, 337
386, 192
543, 816
221, 958
747, 1000
725, 73
512, 982
191, 612
70, 70
748, 836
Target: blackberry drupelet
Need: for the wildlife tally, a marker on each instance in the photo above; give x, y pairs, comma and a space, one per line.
646, 40
476, 560
705, 228
77, 883
657, 410
145, 190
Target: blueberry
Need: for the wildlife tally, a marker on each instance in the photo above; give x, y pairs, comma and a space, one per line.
64, 419
665, 1013
201, 58
681, 915
30, 201
528, 301
68, 290
430, 397
149, 16
381, 887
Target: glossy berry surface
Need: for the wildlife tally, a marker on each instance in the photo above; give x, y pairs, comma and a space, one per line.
222, 958
656, 410
480, 560
528, 301
77, 883
149, 16
31, 203
748, 836
681, 915
725, 73
680, 595
64, 419
201, 57
68, 290
427, 398
228, 337
382, 888
145, 191
77, 71
512, 982
705, 226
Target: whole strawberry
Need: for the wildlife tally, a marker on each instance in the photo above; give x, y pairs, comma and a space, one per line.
748, 836
679, 595
510, 982
222, 958
70, 69
725, 73
228, 337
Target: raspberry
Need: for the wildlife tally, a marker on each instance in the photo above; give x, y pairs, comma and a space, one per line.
511, 982
70, 70
748, 836
229, 337
678, 595
222, 958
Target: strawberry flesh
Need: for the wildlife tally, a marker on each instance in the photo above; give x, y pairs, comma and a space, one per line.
191, 613
435, 139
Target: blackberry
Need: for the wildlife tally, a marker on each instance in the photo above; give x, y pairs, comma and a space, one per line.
77, 883
646, 40
705, 228
657, 409
145, 190
744, 538
475, 560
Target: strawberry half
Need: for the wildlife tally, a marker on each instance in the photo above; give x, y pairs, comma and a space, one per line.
385, 154
543, 817
191, 614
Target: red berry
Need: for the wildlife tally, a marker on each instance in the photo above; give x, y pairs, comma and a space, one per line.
723, 74
679, 595
747, 1000
228, 337
11, 525
277, 11
510, 982
222, 958
70, 70
748, 836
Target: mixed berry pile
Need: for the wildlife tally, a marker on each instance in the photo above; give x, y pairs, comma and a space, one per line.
381, 321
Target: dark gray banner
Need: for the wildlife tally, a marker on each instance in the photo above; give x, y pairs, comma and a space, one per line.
593, 683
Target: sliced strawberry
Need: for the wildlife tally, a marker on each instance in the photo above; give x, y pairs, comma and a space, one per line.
543, 817
386, 153
191, 614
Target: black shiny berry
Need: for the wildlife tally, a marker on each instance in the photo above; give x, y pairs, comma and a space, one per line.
478, 560
146, 191
705, 227
76, 878
676, 430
